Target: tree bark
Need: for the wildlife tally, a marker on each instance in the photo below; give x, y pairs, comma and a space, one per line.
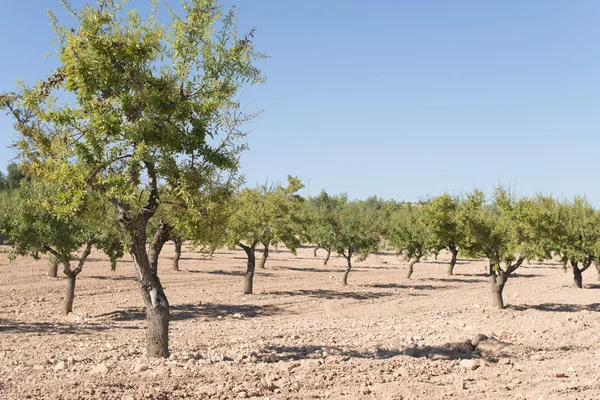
263, 259
498, 280
53, 267
153, 296
315, 251
577, 276
348, 269
161, 236
71, 278
326, 260
598, 271
178, 244
249, 277
411, 265
454, 252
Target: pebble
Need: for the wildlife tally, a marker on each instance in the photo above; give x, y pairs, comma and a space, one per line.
61, 366
471, 365
100, 369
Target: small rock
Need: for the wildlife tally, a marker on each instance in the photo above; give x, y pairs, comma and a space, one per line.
237, 315
127, 397
480, 337
471, 365
61, 366
140, 367
100, 369
560, 375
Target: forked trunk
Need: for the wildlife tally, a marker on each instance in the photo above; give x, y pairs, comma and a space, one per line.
70, 296
263, 259
155, 301
411, 265
249, 277
326, 260
53, 266
454, 252
498, 280
577, 275
177, 256
348, 269
161, 236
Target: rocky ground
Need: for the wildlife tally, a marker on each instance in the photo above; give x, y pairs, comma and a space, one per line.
301, 335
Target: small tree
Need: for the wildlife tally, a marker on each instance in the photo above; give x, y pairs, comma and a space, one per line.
142, 102
406, 233
263, 215
355, 232
320, 221
507, 232
35, 230
578, 239
441, 217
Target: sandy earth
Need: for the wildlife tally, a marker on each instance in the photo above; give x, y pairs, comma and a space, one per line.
301, 335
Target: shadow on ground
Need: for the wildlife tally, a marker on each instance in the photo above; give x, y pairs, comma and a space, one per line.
557, 307
332, 294
9, 326
189, 311
449, 351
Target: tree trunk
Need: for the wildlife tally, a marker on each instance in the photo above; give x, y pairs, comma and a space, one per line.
452, 261
263, 259
315, 251
598, 271
153, 296
327, 257
178, 245
71, 278
577, 277
53, 267
498, 280
411, 264
345, 278
161, 236
249, 277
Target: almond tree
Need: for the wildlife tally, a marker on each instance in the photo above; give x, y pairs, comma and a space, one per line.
142, 101
35, 230
263, 215
320, 221
441, 218
578, 239
406, 233
506, 231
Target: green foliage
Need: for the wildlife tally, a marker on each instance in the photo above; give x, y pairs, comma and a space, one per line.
355, 230
406, 232
263, 215
321, 219
441, 217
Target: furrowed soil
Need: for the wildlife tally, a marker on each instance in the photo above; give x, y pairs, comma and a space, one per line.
302, 335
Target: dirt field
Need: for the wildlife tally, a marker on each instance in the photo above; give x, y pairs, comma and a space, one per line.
301, 335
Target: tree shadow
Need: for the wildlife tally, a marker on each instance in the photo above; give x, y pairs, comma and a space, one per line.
9, 326
452, 279
592, 286
332, 294
190, 311
448, 351
557, 307
401, 286
113, 278
309, 269
230, 273
445, 262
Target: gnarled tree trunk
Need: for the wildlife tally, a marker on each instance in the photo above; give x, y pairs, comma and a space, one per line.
598, 271
70, 295
326, 260
348, 269
178, 244
577, 275
53, 266
265, 255
72, 276
161, 236
249, 277
454, 252
411, 265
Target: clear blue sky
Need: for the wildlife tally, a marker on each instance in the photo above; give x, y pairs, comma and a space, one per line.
401, 99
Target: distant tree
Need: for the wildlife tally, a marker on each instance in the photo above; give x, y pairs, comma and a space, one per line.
263, 215
35, 230
506, 231
15, 176
143, 103
321, 221
406, 233
578, 239
3, 182
354, 232
441, 218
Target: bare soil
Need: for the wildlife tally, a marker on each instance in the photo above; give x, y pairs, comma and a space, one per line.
302, 335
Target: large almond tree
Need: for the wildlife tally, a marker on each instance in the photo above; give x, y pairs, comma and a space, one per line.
136, 102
